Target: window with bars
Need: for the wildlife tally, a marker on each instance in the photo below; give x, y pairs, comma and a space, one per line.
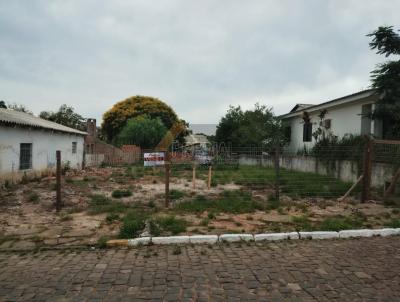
25, 156
74, 147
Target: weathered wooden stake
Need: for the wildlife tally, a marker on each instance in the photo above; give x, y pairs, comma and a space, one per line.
194, 177
367, 167
167, 171
209, 177
58, 181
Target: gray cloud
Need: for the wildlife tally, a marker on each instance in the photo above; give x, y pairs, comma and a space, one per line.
198, 56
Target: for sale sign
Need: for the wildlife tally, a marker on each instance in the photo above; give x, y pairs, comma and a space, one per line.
154, 159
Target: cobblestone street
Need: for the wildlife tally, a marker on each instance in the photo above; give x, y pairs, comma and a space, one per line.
344, 270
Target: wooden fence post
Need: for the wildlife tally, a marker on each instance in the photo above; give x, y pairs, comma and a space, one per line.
277, 171
194, 176
167, 172
58, 181
209, 176
367, 168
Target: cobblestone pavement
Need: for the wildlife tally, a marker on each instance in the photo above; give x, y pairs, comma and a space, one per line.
344, 270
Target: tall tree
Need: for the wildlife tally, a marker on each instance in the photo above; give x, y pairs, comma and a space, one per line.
66, 116
116, 118
141, 131
257, 127
386, 80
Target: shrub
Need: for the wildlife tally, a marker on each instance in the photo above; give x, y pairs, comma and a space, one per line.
33, 197
169, 224
102, 242
132, 224
176, 194
394, 223
302, 223
99, 199
342, 223
121, 193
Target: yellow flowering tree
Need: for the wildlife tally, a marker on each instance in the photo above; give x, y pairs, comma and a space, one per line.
116, 118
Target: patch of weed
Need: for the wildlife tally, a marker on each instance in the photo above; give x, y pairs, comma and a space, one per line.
302, 223
111, 217
171, 224
394, 223
176, 194
120, 193
33, 197
132, 224
102, 242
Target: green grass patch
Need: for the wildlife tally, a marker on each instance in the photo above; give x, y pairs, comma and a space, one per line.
102, 204
33, 197
132, 224
176, 194
226, 202
167, 224
341, 223
394, 223
120, 193
302, 223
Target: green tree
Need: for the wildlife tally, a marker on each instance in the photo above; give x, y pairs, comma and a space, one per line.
142, 131
116, 118
65, 116
386, 80
258, 127
3, 105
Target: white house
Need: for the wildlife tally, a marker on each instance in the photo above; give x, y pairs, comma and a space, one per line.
28, 145
345, 115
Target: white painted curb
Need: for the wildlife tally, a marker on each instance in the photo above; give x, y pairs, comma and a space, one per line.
236, 237
318, 235
210, 239
170, 240
139, 241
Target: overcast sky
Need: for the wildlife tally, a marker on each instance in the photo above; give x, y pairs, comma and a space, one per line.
197, 56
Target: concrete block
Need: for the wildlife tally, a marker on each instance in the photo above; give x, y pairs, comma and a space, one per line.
170, 240
139, 241
356, 233
385, 232
236, 237
210, 239
293, 235
318, 235
271, 236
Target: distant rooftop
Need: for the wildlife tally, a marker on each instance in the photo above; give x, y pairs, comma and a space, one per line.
194, 139
12, 117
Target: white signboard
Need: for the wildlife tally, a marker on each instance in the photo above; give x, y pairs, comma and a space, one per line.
154, 159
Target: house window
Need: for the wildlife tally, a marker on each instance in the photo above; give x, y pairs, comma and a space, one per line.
307, 132
25, 156
73, 147
288, 133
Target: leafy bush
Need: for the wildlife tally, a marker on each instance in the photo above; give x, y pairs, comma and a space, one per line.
33, 197
394, 223
121, 193
132, 224
176, 194
171, 224
227, 202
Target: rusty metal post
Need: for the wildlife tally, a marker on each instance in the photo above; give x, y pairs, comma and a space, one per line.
367, 168
58, 181
167, 172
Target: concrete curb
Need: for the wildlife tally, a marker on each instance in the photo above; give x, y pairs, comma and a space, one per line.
213, 239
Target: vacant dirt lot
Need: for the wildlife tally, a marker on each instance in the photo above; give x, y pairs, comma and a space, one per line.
103, 203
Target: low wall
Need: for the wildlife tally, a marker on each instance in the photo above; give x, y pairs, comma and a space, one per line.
345, 170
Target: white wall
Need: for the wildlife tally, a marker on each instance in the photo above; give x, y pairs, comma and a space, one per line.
44, 146
345, 119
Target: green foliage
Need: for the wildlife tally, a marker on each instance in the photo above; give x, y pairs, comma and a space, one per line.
141, 131
102, 204
302, 223
116, 118
111, 217
341, 223
227, 202
386, 80
169, 224
176, 194
249, 128
65, 116
120, 193
132, 224
102, 242
394, 223
33, 197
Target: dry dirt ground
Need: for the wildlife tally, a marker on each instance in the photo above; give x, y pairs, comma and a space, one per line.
28, 218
